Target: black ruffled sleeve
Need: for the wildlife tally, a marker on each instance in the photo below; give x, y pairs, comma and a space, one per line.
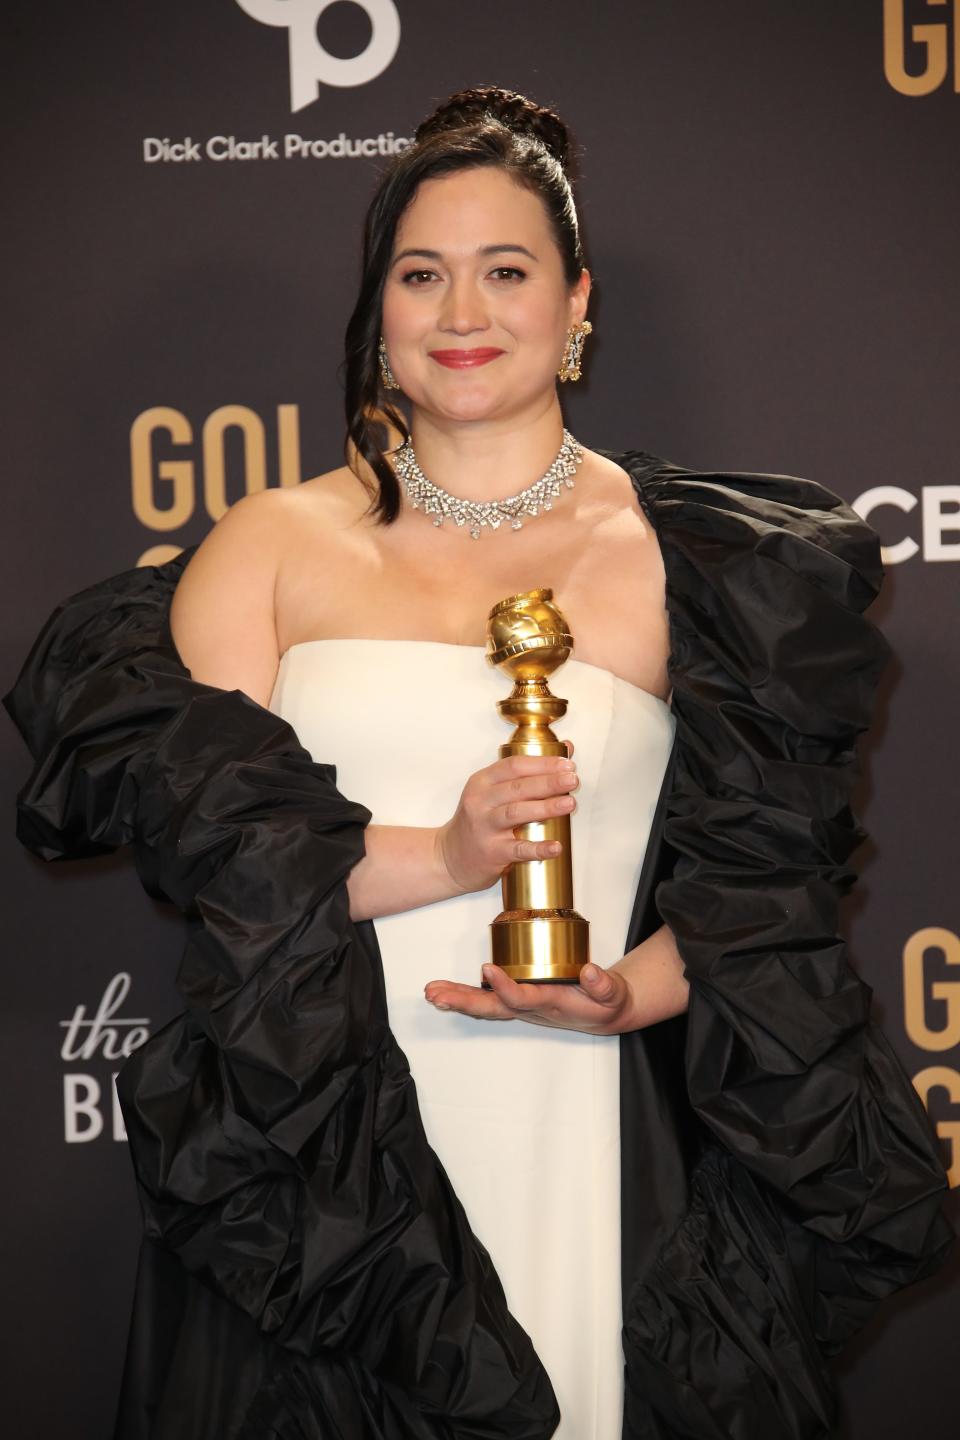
274, 1126
819, 1185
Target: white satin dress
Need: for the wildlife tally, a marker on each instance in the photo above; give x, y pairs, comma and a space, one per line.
524, 1119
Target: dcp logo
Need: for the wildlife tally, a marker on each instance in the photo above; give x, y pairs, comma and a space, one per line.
310, 65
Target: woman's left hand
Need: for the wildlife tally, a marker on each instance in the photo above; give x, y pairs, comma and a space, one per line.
601, 1003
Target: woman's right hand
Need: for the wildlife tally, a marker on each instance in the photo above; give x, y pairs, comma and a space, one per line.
479, 842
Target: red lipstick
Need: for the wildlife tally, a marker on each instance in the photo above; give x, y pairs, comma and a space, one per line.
464, 359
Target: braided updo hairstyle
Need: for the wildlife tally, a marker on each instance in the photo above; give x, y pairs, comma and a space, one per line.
485, 126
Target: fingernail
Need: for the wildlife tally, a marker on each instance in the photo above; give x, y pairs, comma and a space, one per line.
568, 765
439, 1005
590, 972
487, 971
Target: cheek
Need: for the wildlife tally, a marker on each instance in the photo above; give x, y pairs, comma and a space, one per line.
400, 313
389, 320
541, 319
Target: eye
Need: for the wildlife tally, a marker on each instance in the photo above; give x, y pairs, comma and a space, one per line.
508, 273
417, 277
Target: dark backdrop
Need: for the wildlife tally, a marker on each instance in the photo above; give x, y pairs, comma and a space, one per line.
770, 203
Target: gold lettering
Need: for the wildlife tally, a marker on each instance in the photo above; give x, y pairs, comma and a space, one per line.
933, 37
932, 937
214, 461
943, 1077
288, 443
159, 554
179, 473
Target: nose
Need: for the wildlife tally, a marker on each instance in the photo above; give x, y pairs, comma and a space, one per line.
463, 309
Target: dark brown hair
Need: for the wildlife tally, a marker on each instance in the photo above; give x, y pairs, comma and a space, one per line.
486, 126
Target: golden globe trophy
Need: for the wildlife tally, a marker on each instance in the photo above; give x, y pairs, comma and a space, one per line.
538, 936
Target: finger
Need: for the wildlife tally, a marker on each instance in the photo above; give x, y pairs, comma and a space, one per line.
528, 812
467, 1000
604, 987
518, 997
569, 745
569, 1007
517, 767
520, 849
559, 781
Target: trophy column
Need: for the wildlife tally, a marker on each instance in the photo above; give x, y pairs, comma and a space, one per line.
538, 936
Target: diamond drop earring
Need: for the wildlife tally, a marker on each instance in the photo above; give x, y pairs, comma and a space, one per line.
386, 374
573, 351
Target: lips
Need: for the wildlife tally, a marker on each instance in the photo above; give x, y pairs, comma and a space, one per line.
464, 359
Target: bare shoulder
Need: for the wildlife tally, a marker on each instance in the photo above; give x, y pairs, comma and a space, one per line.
610, 479
615, 511
222, 611
240, 549
618, 598
336, 500
247, 545
227, 613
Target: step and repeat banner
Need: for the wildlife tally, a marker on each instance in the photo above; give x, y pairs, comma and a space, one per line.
769, 199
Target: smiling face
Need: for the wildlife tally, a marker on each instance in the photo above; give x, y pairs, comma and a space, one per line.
476, 307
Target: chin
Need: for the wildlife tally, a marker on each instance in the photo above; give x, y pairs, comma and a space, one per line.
489, 408
476, 402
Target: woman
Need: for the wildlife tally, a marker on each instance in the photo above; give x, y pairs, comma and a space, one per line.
311, 1265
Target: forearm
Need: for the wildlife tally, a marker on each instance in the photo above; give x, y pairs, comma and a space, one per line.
402, 869
654, 972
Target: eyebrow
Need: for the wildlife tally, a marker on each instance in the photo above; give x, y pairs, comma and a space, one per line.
484, 250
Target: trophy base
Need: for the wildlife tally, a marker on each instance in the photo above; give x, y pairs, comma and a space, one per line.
540, 946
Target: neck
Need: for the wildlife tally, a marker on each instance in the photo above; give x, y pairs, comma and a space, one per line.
487, 460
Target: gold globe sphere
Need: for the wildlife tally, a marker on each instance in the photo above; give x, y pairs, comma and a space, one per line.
527, 636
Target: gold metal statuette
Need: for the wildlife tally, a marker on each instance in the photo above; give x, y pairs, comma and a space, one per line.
538, 936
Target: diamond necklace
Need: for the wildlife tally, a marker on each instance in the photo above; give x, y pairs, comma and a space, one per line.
424, 495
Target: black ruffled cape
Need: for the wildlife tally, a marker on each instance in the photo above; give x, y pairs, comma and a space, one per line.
307, 1271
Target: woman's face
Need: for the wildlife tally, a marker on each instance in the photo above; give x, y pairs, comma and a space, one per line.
476, 307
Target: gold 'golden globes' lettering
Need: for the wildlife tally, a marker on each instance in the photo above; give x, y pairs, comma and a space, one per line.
933, 937
916, 991
177, 474
943, 1078
168, 476
215, 427
933, 38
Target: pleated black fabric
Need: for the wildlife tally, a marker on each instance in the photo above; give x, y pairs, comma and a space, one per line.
803, 1183
307, 1270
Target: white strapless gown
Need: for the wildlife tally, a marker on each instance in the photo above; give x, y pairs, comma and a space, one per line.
524, 1119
